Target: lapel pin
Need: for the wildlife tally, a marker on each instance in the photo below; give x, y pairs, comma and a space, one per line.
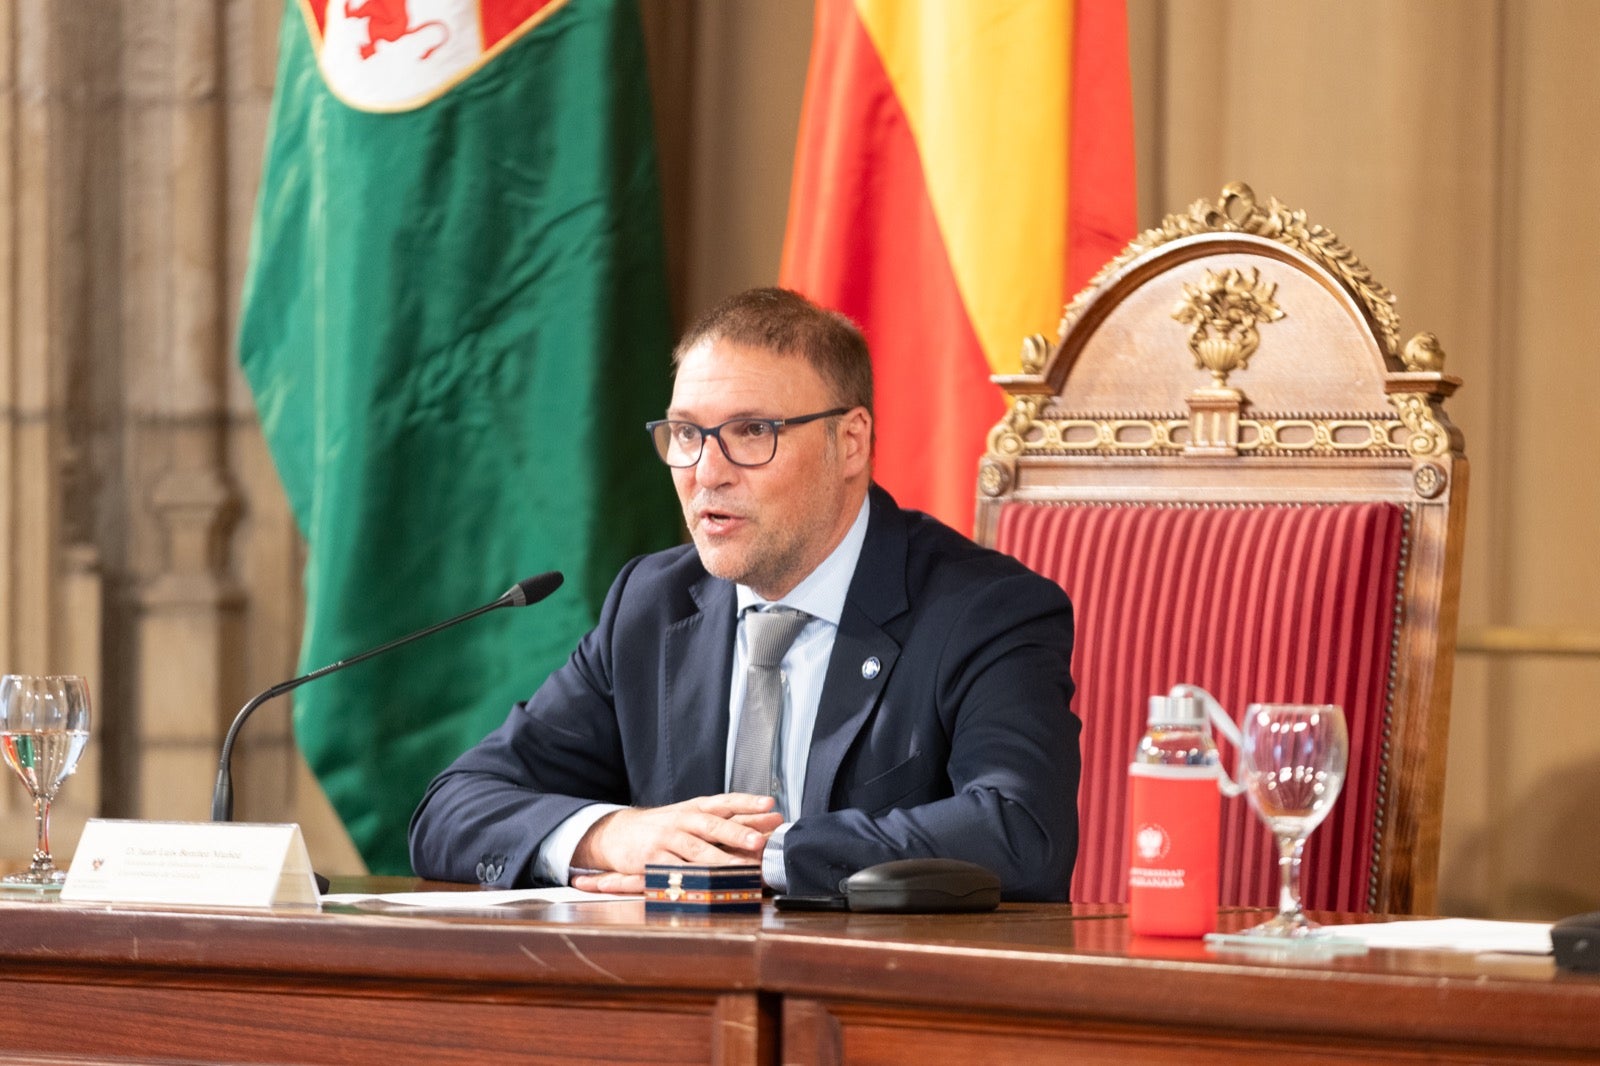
870, 668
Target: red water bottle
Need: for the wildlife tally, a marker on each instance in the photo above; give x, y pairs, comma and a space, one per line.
1175, 808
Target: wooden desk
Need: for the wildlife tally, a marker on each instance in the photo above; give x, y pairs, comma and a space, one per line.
604, 983
1037, 985
596, 983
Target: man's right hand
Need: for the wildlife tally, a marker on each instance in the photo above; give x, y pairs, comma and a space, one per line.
708, 830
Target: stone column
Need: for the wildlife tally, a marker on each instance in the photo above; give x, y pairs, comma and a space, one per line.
188, 608
50, 596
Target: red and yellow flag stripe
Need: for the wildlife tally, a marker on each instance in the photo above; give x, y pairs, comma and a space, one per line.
963, 167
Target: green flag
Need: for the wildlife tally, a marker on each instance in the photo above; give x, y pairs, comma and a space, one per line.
455, 323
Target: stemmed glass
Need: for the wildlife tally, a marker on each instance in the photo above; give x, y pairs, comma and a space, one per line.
1292, 765
44, 725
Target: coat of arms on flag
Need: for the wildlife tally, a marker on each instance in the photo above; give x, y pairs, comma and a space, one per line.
395, 55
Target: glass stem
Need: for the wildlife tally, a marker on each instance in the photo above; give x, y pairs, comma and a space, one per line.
41, 818
1290, 848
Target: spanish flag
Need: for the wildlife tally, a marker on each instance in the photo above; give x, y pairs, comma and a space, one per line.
963, 167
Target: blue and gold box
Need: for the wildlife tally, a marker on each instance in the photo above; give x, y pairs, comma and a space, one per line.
674, 889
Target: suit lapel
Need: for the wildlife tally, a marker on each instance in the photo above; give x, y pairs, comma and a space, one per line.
696, 672
864, 654
848, 698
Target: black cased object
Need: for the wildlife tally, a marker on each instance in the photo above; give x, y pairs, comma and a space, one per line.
922, 886
1576, 941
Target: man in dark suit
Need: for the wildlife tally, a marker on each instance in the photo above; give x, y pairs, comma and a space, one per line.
921, 708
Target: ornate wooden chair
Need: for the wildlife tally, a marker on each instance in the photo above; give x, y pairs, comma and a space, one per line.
1246, 483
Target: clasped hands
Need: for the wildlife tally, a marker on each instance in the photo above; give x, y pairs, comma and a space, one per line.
708, 830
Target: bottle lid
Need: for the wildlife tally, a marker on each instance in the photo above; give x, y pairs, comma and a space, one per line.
1172, 711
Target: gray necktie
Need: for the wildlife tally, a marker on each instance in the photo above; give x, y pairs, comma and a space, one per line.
769, 634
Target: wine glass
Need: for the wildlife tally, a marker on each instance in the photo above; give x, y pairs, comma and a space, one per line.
1292, 763
44, 725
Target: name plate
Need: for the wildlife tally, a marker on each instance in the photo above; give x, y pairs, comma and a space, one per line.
197, 864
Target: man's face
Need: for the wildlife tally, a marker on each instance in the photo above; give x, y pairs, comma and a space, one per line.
768, 526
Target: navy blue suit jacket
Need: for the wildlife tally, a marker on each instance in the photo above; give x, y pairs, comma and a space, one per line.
961, 745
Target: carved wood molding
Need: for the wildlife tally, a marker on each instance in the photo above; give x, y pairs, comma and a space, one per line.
1237, 211
1224, 310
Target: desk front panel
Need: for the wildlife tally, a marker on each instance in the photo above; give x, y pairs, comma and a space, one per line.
1033, 984
585, 984
605, 983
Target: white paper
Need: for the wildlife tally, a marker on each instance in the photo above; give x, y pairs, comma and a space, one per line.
1453, 934
468, 898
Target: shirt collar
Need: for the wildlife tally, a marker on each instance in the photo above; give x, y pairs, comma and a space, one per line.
822, 593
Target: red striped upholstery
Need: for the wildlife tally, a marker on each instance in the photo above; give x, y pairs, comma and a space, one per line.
1293, 604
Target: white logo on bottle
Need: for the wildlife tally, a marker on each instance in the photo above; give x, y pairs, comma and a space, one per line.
1152, 842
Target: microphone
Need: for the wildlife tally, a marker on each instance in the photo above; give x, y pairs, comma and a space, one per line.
523, 594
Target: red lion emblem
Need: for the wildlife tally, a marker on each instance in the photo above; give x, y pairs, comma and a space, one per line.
388, 21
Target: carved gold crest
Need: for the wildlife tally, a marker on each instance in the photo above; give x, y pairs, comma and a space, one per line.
1223, 312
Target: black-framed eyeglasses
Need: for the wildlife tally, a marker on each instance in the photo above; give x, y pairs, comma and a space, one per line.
745, 441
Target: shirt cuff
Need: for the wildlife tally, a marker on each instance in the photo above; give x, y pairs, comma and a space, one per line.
772, 872
554, 865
